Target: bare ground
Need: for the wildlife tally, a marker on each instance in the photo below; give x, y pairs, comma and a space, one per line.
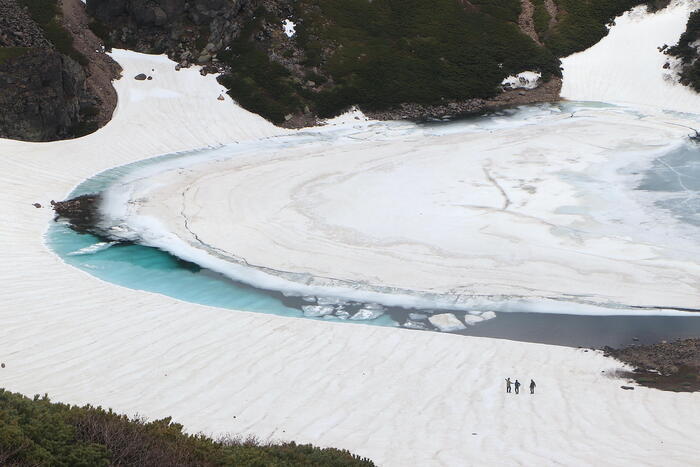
669, 366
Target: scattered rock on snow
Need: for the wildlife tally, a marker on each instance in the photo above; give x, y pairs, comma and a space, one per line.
140, 77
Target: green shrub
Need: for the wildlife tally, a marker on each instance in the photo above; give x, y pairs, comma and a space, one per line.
541, 18
416, 51
582, 23
39, 432
690, 75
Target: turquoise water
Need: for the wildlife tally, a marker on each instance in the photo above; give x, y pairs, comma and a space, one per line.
144, 268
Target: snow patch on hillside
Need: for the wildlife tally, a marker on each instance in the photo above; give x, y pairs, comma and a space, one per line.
627, 66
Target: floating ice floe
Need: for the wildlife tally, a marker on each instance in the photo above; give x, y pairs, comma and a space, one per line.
524, 80
417, 316
289, 27
314, 311
446, 322
471, 320
414, 325
488, 315
475, 317
368, 312
330, 301
342, 314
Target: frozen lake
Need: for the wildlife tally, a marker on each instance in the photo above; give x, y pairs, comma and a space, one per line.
639, 195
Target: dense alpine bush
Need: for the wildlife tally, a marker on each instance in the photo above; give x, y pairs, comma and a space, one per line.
38, 432
689, 54
583, 23
382, 53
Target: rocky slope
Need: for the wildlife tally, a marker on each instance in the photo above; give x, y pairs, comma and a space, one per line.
413, 60
48, 89
671, 366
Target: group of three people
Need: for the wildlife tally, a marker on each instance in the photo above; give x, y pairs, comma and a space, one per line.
517, 386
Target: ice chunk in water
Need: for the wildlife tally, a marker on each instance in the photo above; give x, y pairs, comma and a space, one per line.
330, 301
417, 316
314, 311
446, 322
472, 319
342, 314
414, 325
367, 313
488, 315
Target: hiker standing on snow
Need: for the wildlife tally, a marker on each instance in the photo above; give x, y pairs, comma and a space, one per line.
532, 386
517, 386
508, 385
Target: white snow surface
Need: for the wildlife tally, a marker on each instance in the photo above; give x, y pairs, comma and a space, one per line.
398, 397
627, 66
524, 80
289, 27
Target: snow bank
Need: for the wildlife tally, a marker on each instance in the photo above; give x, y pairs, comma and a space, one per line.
627, 66
524, 80
289, 27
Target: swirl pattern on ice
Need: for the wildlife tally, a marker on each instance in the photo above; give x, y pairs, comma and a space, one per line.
538, 205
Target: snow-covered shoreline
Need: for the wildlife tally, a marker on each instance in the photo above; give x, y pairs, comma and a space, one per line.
399, 397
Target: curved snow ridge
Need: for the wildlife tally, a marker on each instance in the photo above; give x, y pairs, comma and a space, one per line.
627, 66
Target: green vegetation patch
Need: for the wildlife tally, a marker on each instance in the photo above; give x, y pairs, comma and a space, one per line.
688, 54
8, 53
582, 23
414, 51
541, 18
257, 83
38, 432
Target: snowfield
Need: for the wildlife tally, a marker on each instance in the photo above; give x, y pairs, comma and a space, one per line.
400, 397
627, 66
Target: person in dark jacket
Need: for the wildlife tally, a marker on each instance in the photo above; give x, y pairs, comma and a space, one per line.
532, 386
517, 386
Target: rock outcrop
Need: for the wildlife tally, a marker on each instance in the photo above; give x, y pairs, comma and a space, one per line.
41, 93
45, 93
190, 32
81, 213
